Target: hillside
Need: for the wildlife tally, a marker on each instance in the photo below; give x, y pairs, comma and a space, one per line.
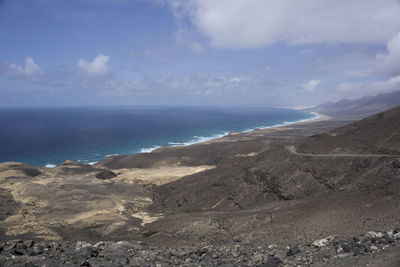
359, 108
276, 173
377, 134
276, 194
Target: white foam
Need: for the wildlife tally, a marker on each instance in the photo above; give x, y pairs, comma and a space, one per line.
149, 149
110, 155
50, 165
285, 123
201, 139
198, 139
176, 144
86, 162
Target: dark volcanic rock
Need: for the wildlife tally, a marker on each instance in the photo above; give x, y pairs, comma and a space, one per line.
293, 251
105, 175
396, 163
273, 262
31, 171
377, 134
338, 253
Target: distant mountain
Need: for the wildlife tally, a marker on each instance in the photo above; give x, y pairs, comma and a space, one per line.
360, 108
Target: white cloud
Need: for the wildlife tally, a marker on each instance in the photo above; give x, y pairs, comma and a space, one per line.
257, 23
376, 87
389, 63
97, 67
311, 86
30, 71
199, 83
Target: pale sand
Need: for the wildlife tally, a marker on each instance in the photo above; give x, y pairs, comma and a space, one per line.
317, 119
51, 199
146, 218
257, 133
247, 155
158, 176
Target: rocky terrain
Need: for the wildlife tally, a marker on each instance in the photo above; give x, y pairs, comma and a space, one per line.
330, 251
238, 200
378, 134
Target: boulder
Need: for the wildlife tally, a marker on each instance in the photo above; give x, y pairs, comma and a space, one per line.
323, 242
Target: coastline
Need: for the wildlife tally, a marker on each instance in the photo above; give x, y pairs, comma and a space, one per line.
211, 139
219, 137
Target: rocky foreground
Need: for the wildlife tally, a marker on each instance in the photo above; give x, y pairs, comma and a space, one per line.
330, 251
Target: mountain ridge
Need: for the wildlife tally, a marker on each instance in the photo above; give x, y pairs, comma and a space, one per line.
359, 108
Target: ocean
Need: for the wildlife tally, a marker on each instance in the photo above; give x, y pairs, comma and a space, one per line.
49, 136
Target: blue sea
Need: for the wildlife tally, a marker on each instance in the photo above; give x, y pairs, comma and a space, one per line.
49, 136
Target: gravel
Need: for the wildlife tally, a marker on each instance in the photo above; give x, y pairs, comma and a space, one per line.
330, 250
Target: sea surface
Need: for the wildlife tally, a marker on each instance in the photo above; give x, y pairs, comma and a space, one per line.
49, 136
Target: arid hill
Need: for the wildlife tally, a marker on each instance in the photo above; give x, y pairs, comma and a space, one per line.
278, 193
378, 134
278, 172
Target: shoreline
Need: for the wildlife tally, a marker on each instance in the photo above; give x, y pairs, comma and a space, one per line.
208, 139
317, 118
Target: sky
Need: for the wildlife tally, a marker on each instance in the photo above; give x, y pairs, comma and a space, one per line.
262, 53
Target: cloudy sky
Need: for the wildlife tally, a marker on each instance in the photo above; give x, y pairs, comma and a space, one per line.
196, 52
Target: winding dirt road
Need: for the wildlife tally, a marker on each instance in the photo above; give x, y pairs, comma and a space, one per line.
292, 149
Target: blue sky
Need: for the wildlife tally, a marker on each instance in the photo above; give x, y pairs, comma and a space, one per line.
196, 52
